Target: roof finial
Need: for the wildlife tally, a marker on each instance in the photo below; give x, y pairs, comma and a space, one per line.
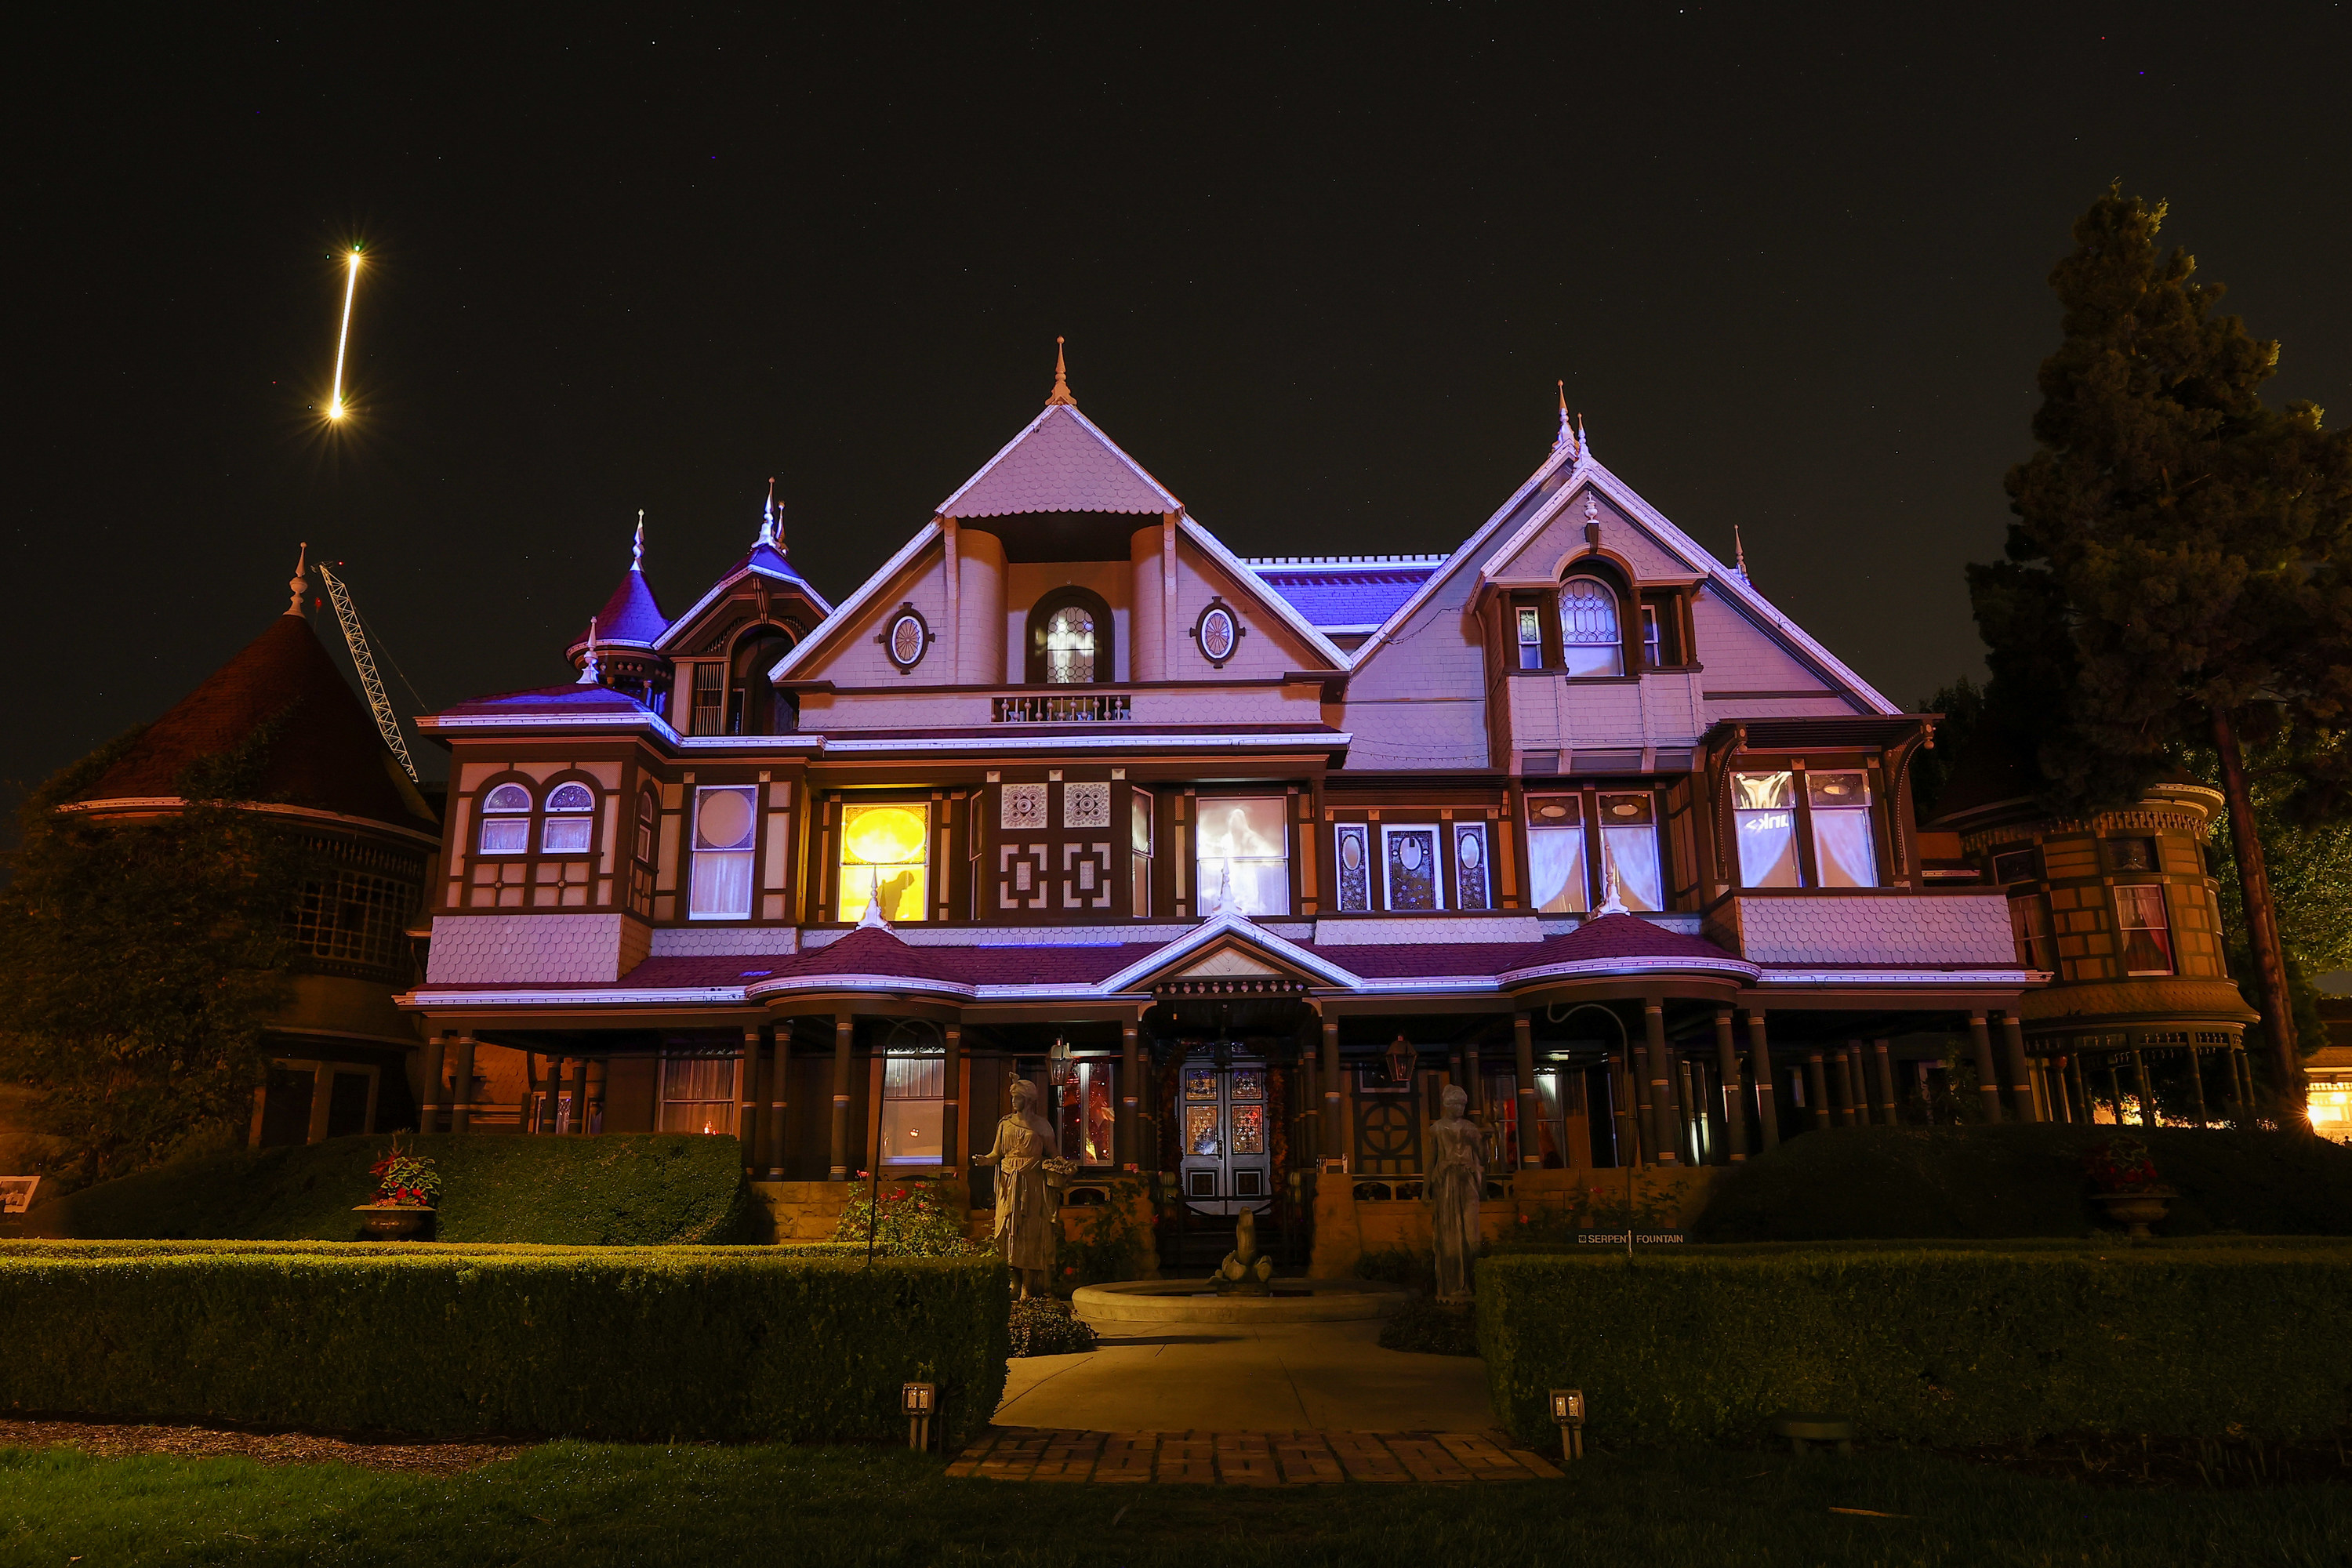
590, 674
298, 582
1739, 553
873, 919
1567, 437
772, 530
1061, 380
1583, 442
638, 549
1611, 904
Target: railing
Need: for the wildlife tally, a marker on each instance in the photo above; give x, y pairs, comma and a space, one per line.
1079, 708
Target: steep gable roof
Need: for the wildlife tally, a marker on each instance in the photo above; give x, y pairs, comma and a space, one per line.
1346, 593
1061, 462
325, 752
765, 560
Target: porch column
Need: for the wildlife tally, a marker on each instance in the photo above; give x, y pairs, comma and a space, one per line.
1523, 1062
952, 1105
1987, 1075
428, 1108
2115, 1088
2139, 1083
1334, 1124
779, 1098
1662, 1087
461, 1086
1817, 1089
1474, 1081
1128, 1028
845, 1028
747, 1098
579, 1095
1767, 1091
1727, 1068
2196, 1082
1849, 1110
1626, 1127
1883, 1054
2020, 1076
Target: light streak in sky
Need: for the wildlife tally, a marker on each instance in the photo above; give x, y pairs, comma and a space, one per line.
342, 339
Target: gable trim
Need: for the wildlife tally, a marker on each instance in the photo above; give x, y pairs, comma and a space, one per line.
1243, 930
831, 627
718, 591
948, 507
1264, 592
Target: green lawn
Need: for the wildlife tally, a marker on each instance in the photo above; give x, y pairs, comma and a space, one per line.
584, 1504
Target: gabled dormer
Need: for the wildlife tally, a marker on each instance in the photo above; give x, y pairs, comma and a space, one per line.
721, 650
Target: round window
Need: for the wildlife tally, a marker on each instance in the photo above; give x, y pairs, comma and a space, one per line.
572, 797
1218, 634
907, 639
508, 797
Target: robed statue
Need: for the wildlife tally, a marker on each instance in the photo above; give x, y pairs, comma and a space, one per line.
1457, 1177
1025, 1224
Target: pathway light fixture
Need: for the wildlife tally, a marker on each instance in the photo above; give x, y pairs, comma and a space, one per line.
918, 1400
1568, 1414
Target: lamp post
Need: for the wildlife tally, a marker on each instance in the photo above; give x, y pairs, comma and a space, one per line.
918, 1400
1568, 1414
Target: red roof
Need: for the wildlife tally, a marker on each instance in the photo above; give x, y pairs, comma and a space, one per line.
325, 754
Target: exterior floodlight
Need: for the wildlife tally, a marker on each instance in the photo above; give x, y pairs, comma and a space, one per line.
1567, 1413
918, 1401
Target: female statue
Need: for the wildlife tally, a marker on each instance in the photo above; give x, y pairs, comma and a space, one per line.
1024, 1224
1457, 1176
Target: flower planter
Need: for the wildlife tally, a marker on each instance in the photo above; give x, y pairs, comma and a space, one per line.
2136, 1210
394, 1222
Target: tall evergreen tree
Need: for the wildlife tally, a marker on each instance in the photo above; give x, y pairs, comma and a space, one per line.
2172, 578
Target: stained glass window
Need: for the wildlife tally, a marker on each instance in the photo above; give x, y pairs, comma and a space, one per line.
1249, 1129
1248, 1083
1201, 1128
1414, 882
1069, 646
1590, 640
1200, 1083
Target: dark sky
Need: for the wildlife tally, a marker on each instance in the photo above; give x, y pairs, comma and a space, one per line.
1319, 272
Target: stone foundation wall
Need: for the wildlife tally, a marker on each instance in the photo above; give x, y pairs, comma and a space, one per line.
804, 1211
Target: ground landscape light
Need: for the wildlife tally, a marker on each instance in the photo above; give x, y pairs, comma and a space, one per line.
917, 1400
1568, 1412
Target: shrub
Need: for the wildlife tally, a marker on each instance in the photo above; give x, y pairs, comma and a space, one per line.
613, 1189
1113, 1241
1424, 1326
1043, 1325
916, 1219
1945, 1346
706, 1344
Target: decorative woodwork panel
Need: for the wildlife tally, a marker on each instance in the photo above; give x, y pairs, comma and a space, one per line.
1085, 876
1021, 872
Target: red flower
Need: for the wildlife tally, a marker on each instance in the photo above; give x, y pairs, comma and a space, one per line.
1069, 1270
1523, 1219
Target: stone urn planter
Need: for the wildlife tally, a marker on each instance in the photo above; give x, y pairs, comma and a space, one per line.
394, 1222
2136, 1210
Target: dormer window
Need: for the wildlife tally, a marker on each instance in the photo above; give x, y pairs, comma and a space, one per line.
1590, 641
570, 808
506, 820
1069, 646
1069, 640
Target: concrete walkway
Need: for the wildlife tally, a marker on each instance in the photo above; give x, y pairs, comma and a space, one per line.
1227, 1378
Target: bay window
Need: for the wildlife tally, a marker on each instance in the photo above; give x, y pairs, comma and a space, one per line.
1577, 844
1797, 827
1244, 856
726, 820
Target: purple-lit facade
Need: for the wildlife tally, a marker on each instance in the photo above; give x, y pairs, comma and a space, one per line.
1570, 809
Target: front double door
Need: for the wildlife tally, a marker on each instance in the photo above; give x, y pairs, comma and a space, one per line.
1228, 1136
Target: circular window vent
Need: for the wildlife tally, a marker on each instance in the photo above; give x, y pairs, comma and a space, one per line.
1218, 632
907, 638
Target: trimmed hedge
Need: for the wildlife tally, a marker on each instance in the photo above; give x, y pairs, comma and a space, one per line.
1943, 1346
1999, 1182
613, 1189
697, 1343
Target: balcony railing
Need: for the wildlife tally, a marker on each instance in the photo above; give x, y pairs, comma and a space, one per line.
1063, 707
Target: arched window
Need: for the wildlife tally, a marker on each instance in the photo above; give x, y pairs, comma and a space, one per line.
1069, 640
506, 820
569, 814
753, 706
1591, 642
645, 812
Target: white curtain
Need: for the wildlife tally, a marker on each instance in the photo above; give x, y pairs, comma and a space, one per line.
1842, 850
1556, 861
1768, 848
722, 885
1633, 852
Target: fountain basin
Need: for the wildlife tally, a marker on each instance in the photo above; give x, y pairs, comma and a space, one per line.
1141, 1301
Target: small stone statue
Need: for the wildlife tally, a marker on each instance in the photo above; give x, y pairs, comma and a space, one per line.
1244, 1272
1024, 1221
1457, 1177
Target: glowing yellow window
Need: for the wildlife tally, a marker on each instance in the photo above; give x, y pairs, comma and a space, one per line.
884, 849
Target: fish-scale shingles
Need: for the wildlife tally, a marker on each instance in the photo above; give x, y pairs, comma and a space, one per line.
1933, 931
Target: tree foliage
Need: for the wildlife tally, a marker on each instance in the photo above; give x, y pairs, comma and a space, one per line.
139, 962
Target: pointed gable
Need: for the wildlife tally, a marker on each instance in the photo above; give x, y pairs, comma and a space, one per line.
1062, 462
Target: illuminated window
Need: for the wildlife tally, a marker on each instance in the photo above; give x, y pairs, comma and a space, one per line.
2331, 1110
507, 835
1531, 637
698, 1094
1087, 1114
1556, 853
914, 1110
1764, 817
885, 850
569, 806
1629, 847
725, 822
1069, 646
1843, 851
1244, 857
2148, 935
1590, 643
2028, 923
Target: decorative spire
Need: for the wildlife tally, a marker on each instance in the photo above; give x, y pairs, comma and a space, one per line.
1739, 553
1583, 442
1611, 904
871, 918
638, 549
1567, 437
300, 581
772, 527
590, 674
1061, 380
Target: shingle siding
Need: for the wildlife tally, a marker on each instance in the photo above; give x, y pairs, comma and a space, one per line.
1928, 929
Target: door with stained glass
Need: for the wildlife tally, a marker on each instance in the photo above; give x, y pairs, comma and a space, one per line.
1228, 1146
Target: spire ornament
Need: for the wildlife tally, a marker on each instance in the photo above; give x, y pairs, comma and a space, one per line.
1739, 553
591, 674
873, 919
638, 549
300, 581
1567, 437
772, 527
1611, 904
1061, 380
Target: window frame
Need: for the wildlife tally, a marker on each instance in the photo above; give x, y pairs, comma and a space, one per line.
1590, 826
1201, 805
549, 816
842, 805
695, 853
1809, 879
1105, 637
528, 816
1617, 600
730, 1102
2124, 931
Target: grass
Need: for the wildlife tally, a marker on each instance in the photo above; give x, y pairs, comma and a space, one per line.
582, 1505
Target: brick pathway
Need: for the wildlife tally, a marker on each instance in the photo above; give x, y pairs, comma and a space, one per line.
1244, 1458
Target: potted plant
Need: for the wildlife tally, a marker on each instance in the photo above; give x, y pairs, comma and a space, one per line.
2123, 1177
405, 1186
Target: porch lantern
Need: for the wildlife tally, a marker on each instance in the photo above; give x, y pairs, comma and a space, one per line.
1568, 1414
1058, 1065
917, 1400
1399, 1058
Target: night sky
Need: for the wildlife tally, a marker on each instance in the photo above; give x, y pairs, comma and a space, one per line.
1318, 273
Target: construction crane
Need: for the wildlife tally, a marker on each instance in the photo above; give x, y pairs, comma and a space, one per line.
365, 662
